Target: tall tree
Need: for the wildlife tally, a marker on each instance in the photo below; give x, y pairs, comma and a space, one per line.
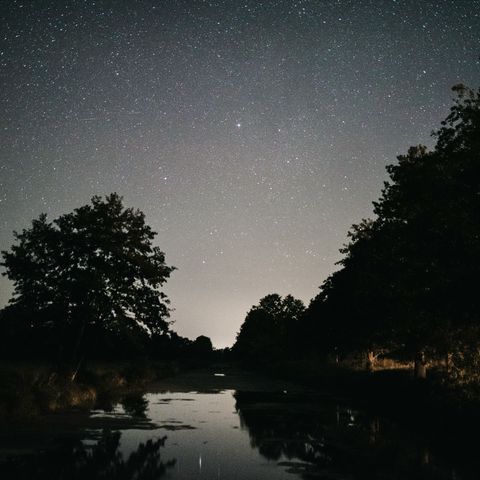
352, 312
432, 204
89, 271
269, 328
409, 277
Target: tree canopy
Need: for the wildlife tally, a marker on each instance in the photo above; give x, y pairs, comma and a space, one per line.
268, 328
408, 278
92, 271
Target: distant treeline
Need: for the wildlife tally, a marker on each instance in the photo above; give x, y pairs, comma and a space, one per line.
408, 283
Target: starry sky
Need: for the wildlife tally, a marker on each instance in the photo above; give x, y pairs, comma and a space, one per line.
251, 133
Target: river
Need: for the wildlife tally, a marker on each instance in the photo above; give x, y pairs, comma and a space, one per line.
217, 425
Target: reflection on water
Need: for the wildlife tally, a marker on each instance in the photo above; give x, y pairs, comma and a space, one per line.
324, 440
100, 461
135, 405
229, 435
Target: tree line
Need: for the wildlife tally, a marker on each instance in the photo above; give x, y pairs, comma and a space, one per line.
407, 283
89, 284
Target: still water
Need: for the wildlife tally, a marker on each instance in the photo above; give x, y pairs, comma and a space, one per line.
258, 431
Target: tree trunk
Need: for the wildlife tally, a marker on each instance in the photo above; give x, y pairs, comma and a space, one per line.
420, 366
74, 371
77, 358
370, 361
374, 430
448, 357
426, 457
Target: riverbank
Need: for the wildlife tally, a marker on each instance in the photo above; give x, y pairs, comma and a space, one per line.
224, 419
432, 405
32, 428
30, 389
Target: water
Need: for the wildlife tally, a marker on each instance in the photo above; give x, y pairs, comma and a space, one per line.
258, 431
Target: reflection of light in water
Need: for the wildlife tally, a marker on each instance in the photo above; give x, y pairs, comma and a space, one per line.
351, 418
218, 374
200, 462
116, 411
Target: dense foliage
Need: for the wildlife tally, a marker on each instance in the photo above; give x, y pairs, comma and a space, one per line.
88, 279
269, 328
408, 279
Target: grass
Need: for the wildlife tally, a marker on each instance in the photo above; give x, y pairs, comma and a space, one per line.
30, 389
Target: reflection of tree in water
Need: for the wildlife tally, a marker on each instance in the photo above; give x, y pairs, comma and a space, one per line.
279, 429
135, 405
103, 461
331, 441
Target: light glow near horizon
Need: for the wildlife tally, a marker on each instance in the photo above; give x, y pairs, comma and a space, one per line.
252, 134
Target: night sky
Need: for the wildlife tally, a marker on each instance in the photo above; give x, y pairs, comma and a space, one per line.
251, 133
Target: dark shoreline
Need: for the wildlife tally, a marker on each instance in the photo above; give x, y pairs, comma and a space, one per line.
426, 406
30, 390
392, 397
449, 417
393, 392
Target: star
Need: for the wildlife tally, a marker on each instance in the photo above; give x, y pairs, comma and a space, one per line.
272, 121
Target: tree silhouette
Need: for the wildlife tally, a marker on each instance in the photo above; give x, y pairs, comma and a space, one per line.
432, 205
266, 331
408, 278
202, 348
90, 272
102, 461
352, 313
